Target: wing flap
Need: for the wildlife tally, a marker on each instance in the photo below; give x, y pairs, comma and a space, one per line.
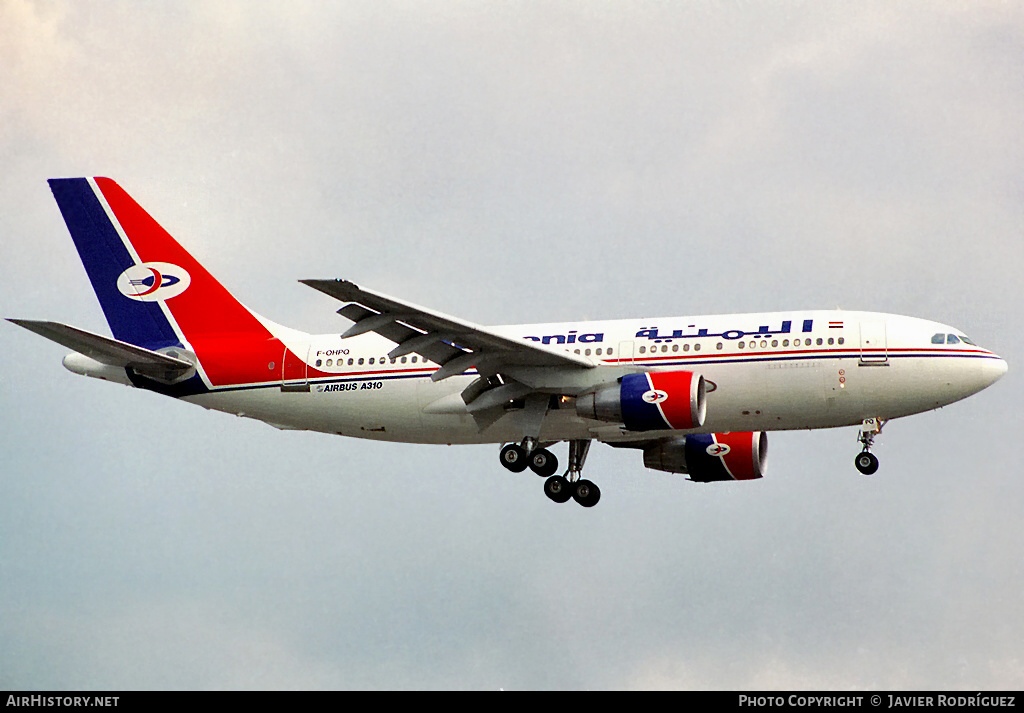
431, 344
454, 344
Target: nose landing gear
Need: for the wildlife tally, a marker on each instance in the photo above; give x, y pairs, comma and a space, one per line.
866, 462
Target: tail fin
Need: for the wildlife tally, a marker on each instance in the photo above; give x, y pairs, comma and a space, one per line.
151, 290
153, 293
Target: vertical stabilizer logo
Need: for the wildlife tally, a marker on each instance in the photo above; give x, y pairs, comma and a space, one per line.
153, 281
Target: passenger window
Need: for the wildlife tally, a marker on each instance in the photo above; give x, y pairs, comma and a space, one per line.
643, 350
775, 342
330, 362
686, 347
719, 346
609, 352
318, 362
393, 361
675, 347
360, 361
350, 362
819, 341
403, 359
371, 360
841, 340
586, 352
785, 342
598, 351
951, 339
696, 347
413, 360
764, 344
740, 345
831, 341
807, 342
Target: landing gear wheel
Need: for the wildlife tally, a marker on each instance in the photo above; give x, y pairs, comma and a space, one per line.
514, 458
866, 463
586, 493
543, 462
558, 489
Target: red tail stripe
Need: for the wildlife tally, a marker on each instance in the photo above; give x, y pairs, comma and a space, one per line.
232, 345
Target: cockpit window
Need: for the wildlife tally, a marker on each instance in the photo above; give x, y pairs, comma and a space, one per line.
951, 339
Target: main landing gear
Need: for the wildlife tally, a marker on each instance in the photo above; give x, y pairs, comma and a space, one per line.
866, 461
518, 458
559, 488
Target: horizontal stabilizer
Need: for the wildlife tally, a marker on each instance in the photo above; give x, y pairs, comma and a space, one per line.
106, 350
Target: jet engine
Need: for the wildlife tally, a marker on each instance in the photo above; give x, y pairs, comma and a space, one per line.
649, 401
711, 456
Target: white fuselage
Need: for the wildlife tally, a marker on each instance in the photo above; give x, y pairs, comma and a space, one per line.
774, 371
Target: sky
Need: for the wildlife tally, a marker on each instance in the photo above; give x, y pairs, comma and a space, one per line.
514, 162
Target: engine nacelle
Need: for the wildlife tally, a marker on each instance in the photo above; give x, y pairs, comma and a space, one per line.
711, 456
651, 401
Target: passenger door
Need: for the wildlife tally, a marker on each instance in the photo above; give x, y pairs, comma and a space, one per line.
293, 369
873, 344
626, 352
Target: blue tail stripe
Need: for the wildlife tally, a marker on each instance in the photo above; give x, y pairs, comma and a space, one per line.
105, 257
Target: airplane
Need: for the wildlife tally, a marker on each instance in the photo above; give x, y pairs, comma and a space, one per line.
695, 394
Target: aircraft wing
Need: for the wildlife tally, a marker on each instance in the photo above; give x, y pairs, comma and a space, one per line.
106, 350
455, 344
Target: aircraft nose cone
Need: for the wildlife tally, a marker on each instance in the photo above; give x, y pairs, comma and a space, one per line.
993, 370
1001, 368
